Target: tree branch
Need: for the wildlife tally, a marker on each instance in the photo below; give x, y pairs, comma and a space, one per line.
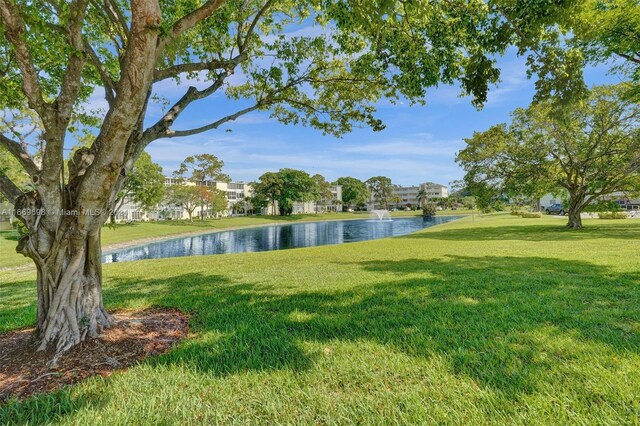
120, 121
214, 125
9, 189
107, 81
175, 70
252, 27
15, 30
73, 74
161, 127
117, 17
20, 154
628, 57
189, 21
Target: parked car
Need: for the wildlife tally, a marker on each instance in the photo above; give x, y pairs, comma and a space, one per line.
555, 209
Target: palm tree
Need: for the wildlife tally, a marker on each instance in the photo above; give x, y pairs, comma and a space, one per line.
396, 199
422, 197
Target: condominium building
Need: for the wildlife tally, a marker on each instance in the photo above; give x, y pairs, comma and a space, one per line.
235, 192
130, 211
407, 196
332, 205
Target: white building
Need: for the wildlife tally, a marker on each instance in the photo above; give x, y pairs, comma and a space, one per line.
310, 207
408, 195
132, 212
235, 192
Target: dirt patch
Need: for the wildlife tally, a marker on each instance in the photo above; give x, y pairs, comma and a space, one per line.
135, 336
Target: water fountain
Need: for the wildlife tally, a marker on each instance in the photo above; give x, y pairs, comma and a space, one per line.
380, 215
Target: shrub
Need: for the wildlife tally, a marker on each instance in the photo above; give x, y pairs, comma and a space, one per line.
612, 215
530, 215
603, 206
429, 210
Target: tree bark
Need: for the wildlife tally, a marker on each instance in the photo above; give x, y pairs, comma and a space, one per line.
69, 277
576, 204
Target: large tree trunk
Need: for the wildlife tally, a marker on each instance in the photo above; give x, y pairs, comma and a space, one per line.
69, 275
64, 214
576, 204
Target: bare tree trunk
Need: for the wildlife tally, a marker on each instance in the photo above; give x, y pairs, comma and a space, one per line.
69, 278
64, 214
576, 204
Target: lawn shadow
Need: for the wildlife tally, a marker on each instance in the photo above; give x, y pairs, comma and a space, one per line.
477, 312
9, 235
484, 316
50, 408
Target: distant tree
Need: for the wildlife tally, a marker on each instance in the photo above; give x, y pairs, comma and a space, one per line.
422, 197
395, 199
201, 169
500, 166
321, 192
381, 190
267, 190
298, 186
589, 150
216, 200
284, 187
445, 202
144, 185
469, 202
354, 192
248, 205
260, 202
429, 209
186, 196
240, 207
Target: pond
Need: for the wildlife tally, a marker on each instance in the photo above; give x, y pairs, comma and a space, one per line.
275, 237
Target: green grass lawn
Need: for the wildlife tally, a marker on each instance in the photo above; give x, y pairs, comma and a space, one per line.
142, 230
485, 320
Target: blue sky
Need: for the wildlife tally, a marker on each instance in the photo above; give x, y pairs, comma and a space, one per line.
418, 145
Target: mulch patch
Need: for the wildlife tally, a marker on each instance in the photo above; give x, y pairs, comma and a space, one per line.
135, 336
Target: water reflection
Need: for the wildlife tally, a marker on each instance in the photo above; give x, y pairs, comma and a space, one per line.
276, 237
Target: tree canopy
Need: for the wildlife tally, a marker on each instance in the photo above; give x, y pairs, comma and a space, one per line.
381, 190
321, 192
588, 151
286, 187
144, 185
200, 170
354, 192
202, 167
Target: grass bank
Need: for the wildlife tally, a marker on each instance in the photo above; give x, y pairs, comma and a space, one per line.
486, 320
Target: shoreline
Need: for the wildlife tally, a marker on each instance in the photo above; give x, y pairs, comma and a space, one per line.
143, 241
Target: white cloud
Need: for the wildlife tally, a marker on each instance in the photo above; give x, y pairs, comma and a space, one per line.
403, 147
247, 159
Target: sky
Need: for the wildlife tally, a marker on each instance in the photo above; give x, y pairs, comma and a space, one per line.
418, 145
